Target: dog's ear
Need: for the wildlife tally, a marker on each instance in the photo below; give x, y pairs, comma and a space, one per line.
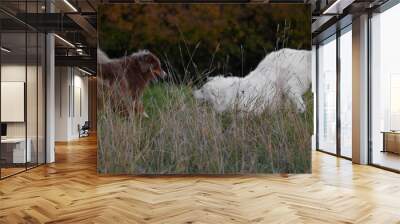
146, 60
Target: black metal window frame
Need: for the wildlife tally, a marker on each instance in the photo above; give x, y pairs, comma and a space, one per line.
382, 8
333, 37
30, 29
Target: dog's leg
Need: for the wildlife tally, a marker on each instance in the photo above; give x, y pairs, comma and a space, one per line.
139, 109
299, 102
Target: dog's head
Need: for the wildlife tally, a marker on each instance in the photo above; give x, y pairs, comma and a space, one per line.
149, 64
218, 91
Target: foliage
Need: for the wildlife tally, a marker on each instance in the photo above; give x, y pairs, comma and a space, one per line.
191, 38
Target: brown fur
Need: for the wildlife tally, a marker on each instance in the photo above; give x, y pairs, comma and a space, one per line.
132, 73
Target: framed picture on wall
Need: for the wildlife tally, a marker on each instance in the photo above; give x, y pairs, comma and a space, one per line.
204, 89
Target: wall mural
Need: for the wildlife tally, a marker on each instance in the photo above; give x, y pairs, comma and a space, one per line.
204, 89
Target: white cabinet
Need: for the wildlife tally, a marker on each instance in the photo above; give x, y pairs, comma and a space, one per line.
19, 155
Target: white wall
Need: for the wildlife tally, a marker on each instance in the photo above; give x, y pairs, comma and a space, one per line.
10, 73
33, 126
79, 117
62, 81
71, 102
16, 73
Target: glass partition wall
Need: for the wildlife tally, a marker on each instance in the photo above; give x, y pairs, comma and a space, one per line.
22, 78
334, 94
13, 89
345, 62
327, 95
385, 89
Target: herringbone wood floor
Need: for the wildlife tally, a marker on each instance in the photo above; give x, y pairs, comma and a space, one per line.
70, 191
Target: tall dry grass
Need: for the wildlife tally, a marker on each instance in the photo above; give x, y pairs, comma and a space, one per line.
183, 136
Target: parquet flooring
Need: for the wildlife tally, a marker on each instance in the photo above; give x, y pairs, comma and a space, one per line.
11, 170
70, 191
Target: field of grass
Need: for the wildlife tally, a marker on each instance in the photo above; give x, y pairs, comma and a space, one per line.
183, 136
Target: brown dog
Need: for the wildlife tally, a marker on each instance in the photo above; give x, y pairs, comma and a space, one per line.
131, 74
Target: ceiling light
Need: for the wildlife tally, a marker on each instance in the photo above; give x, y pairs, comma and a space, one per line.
70, 5
80, 51
331, 7
84, 71
5, 50
337, 7
65, 41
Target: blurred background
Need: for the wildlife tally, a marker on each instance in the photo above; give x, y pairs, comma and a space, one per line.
204, 39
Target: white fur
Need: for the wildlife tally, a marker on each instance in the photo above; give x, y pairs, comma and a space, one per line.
140, 53
102, 57
284, 71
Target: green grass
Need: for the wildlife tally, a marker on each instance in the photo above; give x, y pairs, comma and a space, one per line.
159, 96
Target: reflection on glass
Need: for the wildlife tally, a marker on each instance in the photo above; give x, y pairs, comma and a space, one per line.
346, 94
22, 90
31, 101
394, 102
386, 89
15, 151
327, 96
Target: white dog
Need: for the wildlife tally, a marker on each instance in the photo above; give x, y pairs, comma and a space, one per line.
285, 71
